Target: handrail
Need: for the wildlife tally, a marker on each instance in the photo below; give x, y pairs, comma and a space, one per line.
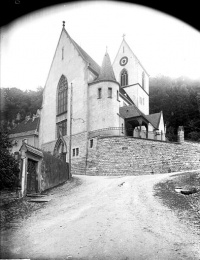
122, 131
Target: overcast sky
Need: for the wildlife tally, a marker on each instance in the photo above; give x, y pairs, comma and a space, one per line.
163, 44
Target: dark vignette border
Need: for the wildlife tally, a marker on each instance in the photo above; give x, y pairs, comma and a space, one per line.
184, 10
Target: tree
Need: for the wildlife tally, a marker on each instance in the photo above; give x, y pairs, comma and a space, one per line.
178, 100
9, 169
15, 101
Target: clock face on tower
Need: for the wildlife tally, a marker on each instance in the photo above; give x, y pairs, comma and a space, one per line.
123, 61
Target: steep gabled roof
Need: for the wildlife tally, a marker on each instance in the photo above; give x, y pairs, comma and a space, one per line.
92, 64
26, 126
154, 119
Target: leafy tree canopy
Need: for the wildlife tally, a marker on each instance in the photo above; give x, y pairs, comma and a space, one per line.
9, 168
179, 99
16, 104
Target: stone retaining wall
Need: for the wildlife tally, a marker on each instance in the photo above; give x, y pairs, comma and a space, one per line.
133, 156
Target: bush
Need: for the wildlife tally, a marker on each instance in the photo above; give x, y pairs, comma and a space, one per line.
194, 136
9, 168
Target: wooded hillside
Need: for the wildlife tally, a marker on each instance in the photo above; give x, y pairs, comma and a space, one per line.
179, 99
17, 104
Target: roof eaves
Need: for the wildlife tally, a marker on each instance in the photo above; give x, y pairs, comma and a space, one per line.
90, 63
32, 149
102, 80
126, 98
92, 70
21, 134
136, 58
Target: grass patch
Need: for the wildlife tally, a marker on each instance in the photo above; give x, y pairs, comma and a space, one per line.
187, 207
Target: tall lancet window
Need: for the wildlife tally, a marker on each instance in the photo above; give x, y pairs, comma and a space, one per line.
124, 78
62, 95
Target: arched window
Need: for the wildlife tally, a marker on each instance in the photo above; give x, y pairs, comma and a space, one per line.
62, 95
124, 78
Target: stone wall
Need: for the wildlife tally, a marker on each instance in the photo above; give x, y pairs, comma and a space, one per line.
133, 156
79, 141
78, 161
53, 171
92, 160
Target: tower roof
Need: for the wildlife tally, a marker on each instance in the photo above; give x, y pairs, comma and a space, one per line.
106, 72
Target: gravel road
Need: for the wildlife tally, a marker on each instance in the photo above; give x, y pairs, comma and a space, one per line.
103, 218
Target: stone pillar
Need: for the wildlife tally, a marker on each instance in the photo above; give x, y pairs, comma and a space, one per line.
180, 134
140, 126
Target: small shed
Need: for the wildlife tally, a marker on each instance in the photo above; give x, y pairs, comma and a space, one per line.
40, 170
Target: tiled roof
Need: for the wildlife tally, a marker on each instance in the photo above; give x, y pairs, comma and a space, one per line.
130, 111
25, 126
106, 72
32, 149
86, 57
154, 119
133, 111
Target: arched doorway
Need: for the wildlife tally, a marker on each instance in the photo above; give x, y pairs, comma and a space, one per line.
60, 149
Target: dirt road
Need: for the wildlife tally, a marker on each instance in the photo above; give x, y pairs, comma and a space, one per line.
103, 218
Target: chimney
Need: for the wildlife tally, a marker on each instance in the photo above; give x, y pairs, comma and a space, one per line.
25, 141
180, 134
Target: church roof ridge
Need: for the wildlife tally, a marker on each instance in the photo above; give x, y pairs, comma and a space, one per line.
91, 62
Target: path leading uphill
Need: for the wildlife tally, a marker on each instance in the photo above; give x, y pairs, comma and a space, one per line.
103, 218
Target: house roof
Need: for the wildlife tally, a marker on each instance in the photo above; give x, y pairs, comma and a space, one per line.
154, 119
106, 71
26, 125
31, 149
92, 64
130, 111
133, 111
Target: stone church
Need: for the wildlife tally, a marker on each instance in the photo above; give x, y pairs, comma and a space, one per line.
83, 101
